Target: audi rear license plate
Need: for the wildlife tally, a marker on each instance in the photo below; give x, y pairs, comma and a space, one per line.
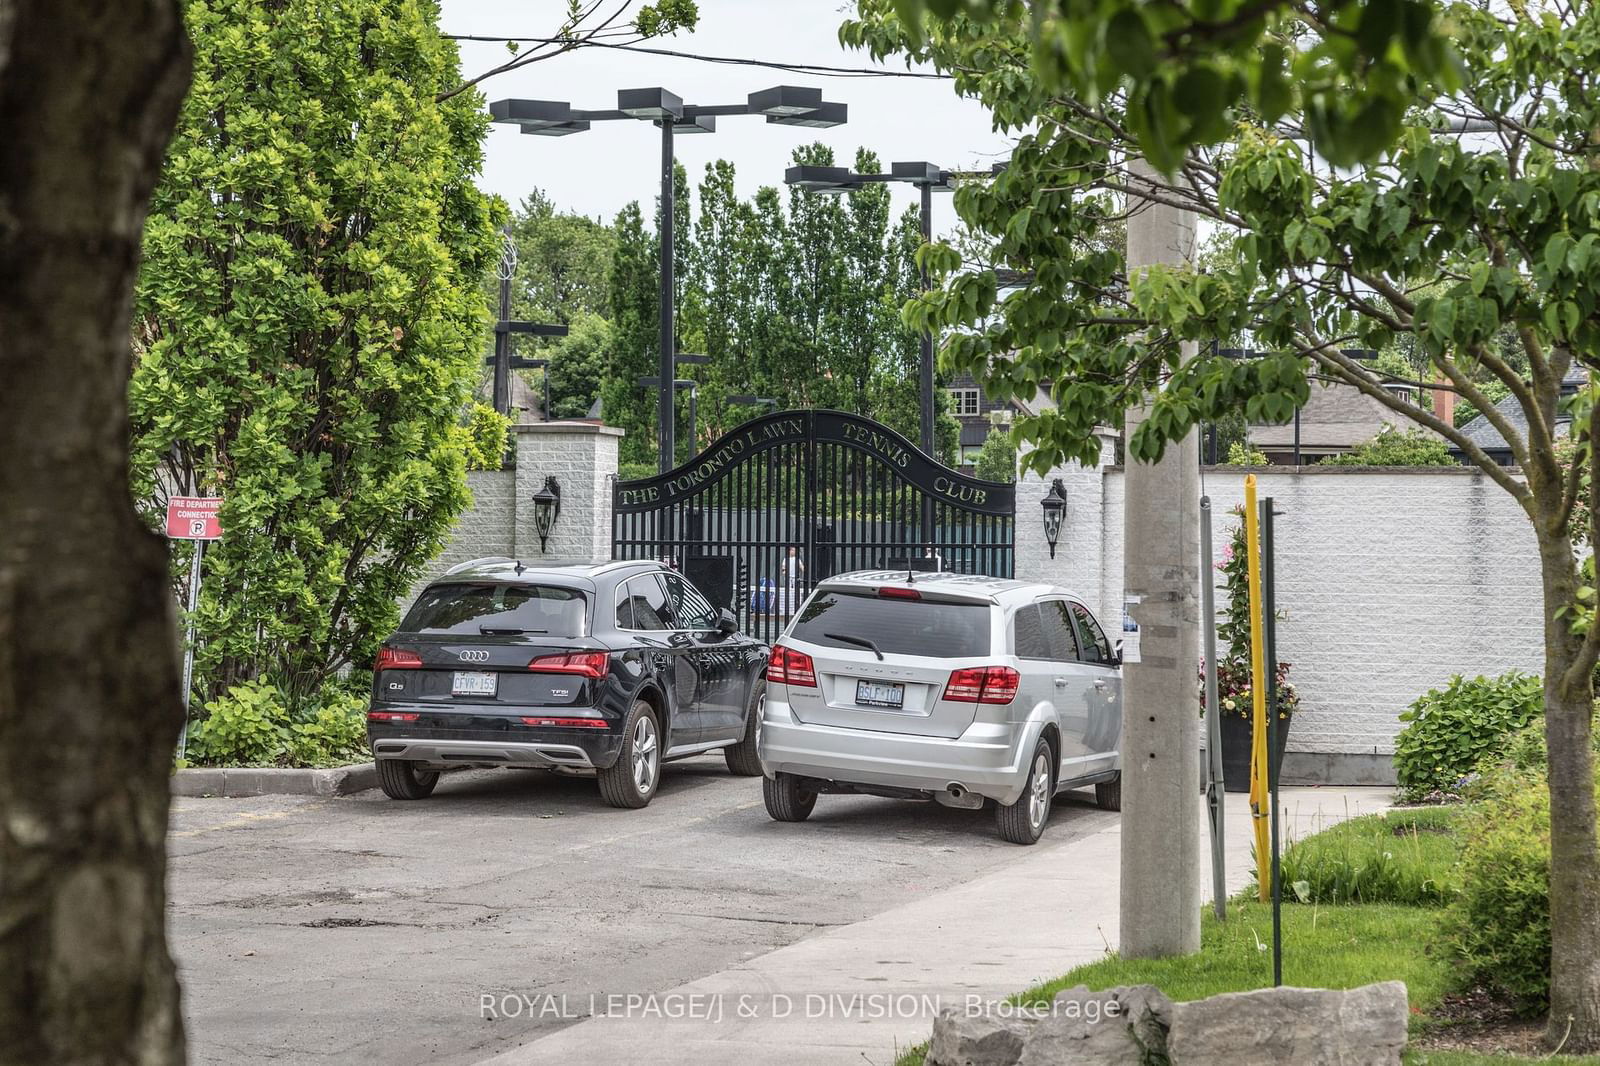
880, 694
473, 683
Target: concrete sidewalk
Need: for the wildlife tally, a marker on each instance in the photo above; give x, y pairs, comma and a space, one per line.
858, 993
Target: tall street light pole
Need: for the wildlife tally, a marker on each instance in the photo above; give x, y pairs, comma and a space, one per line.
926, 177
782, 105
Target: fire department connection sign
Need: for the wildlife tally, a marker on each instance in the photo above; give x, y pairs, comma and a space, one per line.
194, 517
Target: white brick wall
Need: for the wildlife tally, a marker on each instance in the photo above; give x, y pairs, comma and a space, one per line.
1389, 580
582, 457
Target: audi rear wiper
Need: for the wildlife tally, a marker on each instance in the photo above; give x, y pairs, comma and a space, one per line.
497, 631
860, 642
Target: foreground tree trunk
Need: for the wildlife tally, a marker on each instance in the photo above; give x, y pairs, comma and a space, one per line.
1574, 1023
89, 708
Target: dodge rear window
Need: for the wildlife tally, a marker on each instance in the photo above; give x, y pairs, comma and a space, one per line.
477, 609
897, 627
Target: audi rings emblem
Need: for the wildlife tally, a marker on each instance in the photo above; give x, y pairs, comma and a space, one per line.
474, 656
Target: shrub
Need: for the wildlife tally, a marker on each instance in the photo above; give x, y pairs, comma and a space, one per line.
1499, 926
1391, 447
1525, 749
1406, 857
246, 726
1242, 453
1451, 731
997, 459
252, 725
334, 735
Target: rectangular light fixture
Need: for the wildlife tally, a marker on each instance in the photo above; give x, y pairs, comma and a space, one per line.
531, 112
919, 173
654, 103
698, 124
821, 117
784, 100
556, 129
818, 179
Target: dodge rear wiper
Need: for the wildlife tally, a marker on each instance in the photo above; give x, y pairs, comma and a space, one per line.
860, 642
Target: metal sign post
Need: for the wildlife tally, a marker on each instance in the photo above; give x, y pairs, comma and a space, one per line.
1269, 612
1214, 794
192, 518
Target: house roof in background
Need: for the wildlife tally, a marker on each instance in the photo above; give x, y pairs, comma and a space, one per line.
1335, 416
1483, 433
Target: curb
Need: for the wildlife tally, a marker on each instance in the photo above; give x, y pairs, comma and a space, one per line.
274, 781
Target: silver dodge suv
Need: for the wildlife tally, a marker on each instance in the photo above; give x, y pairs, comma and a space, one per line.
942, 686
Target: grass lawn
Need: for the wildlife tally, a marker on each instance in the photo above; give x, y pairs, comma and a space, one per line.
1403, 856
1406, 855
1323, 947
1327, 947
1463, 1058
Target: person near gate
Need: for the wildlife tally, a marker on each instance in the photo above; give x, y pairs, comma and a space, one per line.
793, 571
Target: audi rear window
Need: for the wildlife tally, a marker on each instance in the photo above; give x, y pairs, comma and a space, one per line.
471, 609
895, 626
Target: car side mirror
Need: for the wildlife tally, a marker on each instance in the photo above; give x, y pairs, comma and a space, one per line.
727, 623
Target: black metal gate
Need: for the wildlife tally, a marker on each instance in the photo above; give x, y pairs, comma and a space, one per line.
839, 491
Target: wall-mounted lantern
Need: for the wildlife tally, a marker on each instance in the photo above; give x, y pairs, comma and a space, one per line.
546, 509
1055, 511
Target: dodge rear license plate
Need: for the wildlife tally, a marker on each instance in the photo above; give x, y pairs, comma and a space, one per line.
880, 694
473, 683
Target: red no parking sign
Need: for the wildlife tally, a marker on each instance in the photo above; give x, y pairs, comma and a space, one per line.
194, 517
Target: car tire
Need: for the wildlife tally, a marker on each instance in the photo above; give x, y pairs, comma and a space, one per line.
1108, 794
401, 780
1023, 822
742, 758
786, 800
631, 781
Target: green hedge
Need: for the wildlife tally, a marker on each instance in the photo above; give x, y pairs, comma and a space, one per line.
1451, 731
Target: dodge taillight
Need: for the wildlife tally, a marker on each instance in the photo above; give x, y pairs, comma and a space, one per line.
982, 684
785, 666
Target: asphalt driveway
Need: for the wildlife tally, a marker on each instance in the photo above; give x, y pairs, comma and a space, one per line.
362, 929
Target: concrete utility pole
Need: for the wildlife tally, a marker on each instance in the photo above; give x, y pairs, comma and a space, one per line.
1161, 726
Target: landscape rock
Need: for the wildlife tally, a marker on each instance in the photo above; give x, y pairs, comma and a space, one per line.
1292, 1027
1124, 1026
978, 1039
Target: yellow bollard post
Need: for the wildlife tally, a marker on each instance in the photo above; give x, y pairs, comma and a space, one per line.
1260, 801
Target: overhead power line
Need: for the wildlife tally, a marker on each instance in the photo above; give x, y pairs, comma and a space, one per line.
817, 69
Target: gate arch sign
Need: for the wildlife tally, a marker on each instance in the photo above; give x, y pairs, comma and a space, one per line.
843, 491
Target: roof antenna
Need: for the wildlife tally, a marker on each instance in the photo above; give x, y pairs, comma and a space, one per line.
519, 568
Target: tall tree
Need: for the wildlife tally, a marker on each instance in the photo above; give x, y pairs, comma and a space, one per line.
1451, 241
89, 711
563, 262
635, 303
309, 324
577, 362
635, 307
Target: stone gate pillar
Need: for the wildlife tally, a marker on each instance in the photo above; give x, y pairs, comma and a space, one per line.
582, 457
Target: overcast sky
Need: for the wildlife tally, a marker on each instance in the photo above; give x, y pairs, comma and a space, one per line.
599, 171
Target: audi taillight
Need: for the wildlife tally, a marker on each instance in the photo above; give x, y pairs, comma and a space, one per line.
582, 663
395, 659
785, 666
392, 716
567, 723
982, 684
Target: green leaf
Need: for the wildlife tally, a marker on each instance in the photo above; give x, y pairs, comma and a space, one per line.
1129, 43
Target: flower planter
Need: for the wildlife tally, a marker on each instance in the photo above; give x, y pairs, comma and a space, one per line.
1236, 736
